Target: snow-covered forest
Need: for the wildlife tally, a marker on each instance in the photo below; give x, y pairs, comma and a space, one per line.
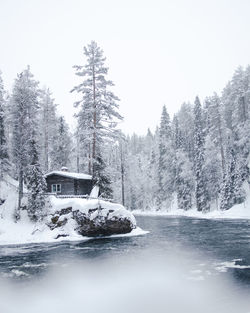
199, 158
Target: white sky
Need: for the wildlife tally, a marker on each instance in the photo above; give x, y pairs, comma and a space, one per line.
158, 52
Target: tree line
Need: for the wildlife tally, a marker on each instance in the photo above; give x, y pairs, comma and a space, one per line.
198, 158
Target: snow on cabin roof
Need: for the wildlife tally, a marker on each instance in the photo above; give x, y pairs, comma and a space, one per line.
70, 174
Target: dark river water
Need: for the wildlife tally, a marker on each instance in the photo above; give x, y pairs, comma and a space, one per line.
179, 255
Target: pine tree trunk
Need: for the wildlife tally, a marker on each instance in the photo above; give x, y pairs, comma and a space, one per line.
20, 194
46, 141
77, 163
94, 123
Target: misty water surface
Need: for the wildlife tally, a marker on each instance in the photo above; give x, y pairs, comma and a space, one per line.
183, 264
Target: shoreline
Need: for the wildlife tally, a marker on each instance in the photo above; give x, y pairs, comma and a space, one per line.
77, 238
239, 211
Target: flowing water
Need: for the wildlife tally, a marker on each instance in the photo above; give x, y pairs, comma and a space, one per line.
182, 264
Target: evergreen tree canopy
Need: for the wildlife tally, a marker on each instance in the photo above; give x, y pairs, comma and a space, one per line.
36, 183
61, 146
4, 158
199, 141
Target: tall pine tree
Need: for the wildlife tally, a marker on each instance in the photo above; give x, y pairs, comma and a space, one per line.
4, 158
61, 146
199, 140
48, 122
24, 120
166, 162
98, 115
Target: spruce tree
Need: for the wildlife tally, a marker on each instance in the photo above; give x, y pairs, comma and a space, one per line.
36, 183
229, 189
177, 134
151, 183
186, 125
4, 158
199, 140
183, 181
216, 126
25, 106
101, 178
236, 113
48, 127
212, 170
165, 163
61, 146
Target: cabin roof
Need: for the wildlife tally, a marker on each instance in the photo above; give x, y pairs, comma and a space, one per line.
70, 175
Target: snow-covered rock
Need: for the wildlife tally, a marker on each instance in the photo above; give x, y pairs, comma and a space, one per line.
90, 217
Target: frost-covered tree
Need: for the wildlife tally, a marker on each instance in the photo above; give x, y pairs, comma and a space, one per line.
199, 141
184, 181
177, 134
4, 158
231, 192
118, 168
212, 170
36, 183
216, 126
186, 126
98, 114
211, 148
24, 120
101, 178
48, 127
123, 169
61, 145
151, 183
236, 97
165, 162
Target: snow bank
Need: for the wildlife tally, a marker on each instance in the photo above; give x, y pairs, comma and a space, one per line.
25, 231
239, 211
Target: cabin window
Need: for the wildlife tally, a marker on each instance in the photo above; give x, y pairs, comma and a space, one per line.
56, 188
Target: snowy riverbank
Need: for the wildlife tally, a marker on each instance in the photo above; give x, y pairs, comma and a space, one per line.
239, 211
23, 233
61, 220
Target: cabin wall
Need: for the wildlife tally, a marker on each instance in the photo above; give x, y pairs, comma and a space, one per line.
69, 186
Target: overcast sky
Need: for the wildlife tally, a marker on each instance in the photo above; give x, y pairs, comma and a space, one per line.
158, 52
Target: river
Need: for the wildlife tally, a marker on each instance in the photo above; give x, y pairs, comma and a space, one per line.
183, 264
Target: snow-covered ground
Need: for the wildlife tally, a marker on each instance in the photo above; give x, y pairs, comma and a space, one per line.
25, 231
239, 211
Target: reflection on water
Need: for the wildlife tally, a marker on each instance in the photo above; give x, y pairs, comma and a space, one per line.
182, 265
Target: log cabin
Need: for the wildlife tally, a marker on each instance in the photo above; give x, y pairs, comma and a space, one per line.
68, 183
